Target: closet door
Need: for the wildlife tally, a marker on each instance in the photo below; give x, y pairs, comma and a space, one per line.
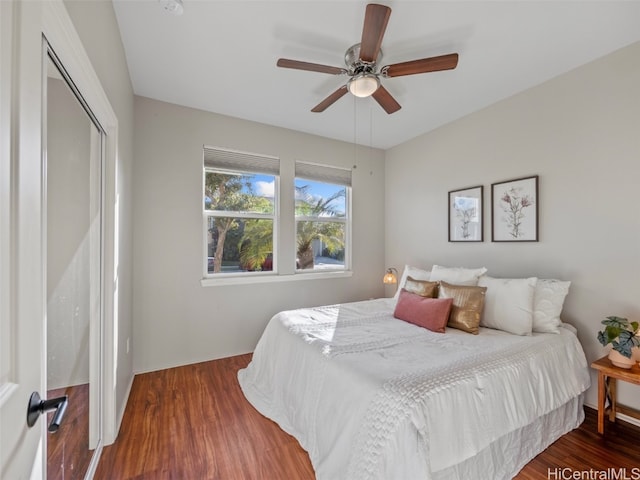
72, 163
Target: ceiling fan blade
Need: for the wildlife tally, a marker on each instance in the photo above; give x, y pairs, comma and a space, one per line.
376, 18
312, 67
424, 65
330, 100
386, 101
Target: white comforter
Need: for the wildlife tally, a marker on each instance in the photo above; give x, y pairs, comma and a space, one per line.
370, 396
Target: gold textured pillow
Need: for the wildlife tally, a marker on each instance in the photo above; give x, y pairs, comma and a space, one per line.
468, 303
424, 288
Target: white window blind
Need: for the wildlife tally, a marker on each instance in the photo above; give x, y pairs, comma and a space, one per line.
234, 161
323, 173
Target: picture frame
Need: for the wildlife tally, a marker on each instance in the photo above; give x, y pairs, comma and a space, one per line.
466, 219
514, 210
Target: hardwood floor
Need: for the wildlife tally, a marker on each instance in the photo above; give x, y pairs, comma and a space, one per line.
193, 422
584, 449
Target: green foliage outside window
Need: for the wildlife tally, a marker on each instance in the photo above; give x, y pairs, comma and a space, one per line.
235, 193
331, 234
238, 240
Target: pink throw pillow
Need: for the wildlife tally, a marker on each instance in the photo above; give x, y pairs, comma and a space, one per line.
429, 313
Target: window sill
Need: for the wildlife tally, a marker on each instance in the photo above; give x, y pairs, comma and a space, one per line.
249, 279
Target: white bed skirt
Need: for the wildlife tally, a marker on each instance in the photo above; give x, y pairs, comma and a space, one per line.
504, 458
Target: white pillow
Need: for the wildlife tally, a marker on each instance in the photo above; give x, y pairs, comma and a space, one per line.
457, 275
413, 272
547, 304
508, 304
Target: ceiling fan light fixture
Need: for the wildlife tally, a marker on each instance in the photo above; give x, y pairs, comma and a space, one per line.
363, 85
172, 6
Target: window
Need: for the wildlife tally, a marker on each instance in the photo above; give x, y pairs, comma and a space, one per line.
242, 218
240, 211
322, 217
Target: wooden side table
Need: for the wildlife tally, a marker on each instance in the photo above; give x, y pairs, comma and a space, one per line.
608, 374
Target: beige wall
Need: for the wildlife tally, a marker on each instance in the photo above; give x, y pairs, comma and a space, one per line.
96, 25
580, 134
177, 320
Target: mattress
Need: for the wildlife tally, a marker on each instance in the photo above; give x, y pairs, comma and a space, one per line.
369, 396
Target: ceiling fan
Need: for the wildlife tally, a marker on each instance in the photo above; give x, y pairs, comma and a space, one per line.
362, 64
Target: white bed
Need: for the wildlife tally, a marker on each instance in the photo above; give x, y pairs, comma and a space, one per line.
372, 397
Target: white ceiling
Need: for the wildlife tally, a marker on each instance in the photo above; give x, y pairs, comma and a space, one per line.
220, 56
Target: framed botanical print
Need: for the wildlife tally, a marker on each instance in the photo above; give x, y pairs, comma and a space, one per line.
514, 210
465, 215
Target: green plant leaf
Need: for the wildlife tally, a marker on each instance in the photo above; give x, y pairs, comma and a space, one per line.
616, 322
611, 333
625, 343
602, 339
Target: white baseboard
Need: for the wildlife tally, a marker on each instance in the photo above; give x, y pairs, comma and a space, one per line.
628, 419
621, 416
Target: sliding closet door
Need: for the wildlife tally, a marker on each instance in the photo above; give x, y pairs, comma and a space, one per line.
73, 165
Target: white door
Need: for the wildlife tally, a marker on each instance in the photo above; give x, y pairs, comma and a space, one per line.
21, 274
23, 23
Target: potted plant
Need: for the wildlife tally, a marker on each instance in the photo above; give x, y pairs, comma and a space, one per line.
623, 337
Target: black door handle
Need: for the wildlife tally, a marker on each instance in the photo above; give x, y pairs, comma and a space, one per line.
38, 406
